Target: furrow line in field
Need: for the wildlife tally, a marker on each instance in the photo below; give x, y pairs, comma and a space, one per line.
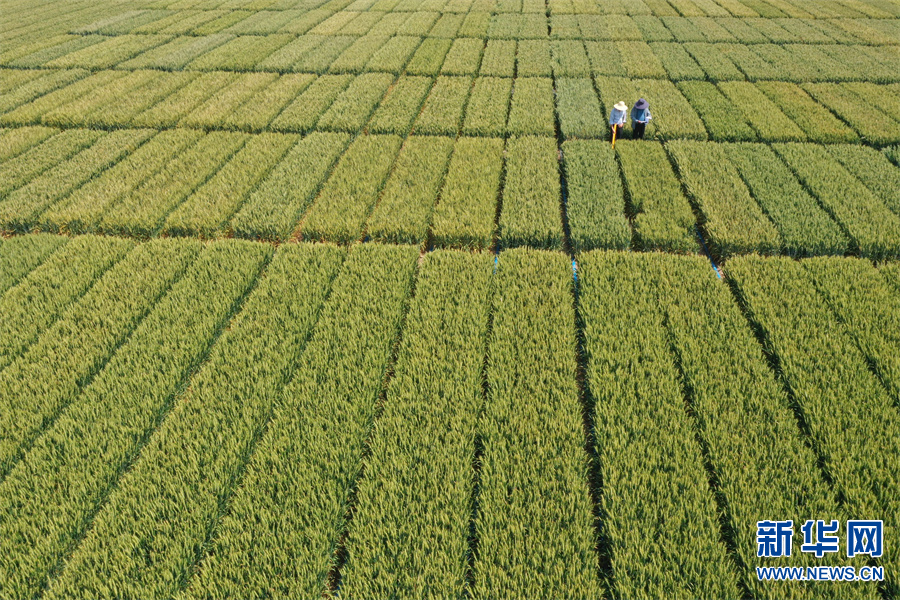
263, 341
20, 255
102, 434
341, 551
48, 291
847, 411
595, 476
478, 454
774, 363
222, 408
727, 533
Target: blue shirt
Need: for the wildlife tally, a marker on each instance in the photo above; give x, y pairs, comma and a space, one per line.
640, 115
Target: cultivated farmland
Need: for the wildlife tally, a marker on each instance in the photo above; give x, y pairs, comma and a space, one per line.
359, 299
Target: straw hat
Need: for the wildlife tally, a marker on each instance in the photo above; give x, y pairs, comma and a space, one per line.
620, 105
641, 104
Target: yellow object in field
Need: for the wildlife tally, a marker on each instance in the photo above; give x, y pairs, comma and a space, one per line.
614, 137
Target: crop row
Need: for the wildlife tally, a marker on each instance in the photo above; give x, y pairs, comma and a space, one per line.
800, 199
20, 255
867, 304
824, 345
715, 388
177, 464
298, 480
785, 216
42, 155
535, 521
410, 529
733, 221
18, 91
23, 23
868, 307
595, 204
720, 61
663, 219
493, 106
644, 441
143, 212
466, 211
739, 407
159, 9
289, 103
261, 185
20, 207
42, 381
409, 196
15, 141
117, 410
866, 218
140, 194
207, 211
526, 432
46, 292
766, 111
477, 22
737, 8
121, 406
406, 206
294, 467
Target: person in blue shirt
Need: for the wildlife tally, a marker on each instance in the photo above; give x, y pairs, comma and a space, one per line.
640, 116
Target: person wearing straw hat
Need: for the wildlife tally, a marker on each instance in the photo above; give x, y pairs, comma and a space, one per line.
640, 116
617, 118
